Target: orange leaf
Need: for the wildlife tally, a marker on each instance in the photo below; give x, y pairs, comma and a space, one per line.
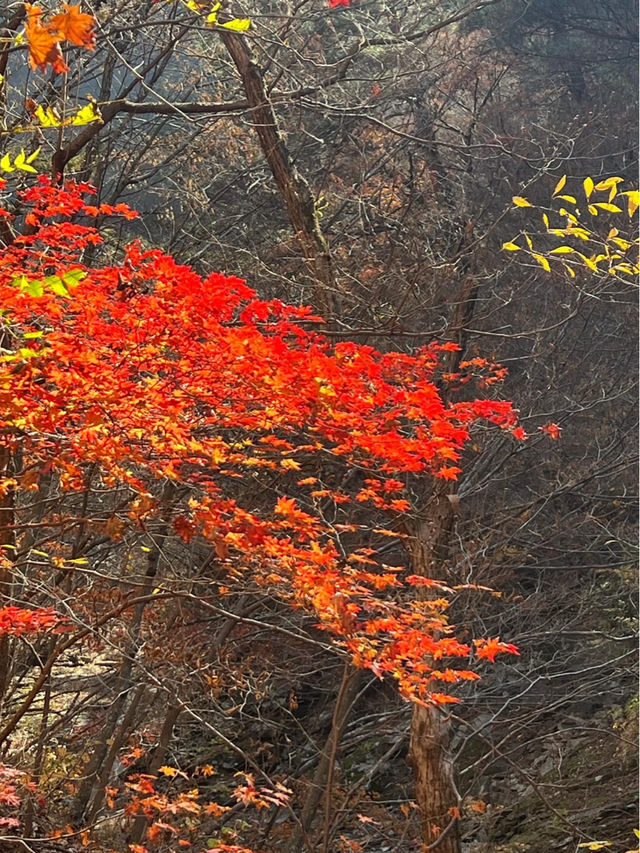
488, 649
74, 26
44, 47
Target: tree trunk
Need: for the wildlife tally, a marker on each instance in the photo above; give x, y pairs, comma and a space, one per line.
159, 755
294, 189
435, 790
323, 777
95, 767
7, 517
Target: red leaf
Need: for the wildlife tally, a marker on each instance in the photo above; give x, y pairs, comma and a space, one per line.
552, 430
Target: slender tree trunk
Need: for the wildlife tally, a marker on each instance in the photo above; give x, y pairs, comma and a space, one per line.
95, 768
322, 782
159, 755
7, 517
117, 741
435, 790
294, 189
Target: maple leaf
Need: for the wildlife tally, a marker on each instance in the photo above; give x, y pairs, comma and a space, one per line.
552, 430
43, 41
488, 649
74, 26
449, 472
333, 4
169, 771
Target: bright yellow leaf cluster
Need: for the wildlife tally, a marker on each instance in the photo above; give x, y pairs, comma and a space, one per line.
21, 162
614, 255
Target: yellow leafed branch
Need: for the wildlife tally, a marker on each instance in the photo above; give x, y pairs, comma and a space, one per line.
21, 162
613, 254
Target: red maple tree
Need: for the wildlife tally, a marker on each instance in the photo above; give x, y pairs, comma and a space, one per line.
152, 373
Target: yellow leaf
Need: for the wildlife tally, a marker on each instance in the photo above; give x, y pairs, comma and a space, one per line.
569, 270
609, 182
581, 233
544, 263
510, 247
290, 465
528, 239
562, 250
239, 25
595, 845
630, 269
21, 163
589, 262
33, 156
560, 185
622, 244
569, 198
520, 202
212, 17
632, 201
47, 118
85, 115
168, 771
592, 210
572, 219
5, 164
588, 187
603, 205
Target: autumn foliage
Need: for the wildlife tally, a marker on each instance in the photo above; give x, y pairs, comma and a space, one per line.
289, 457
153, 374
149, 374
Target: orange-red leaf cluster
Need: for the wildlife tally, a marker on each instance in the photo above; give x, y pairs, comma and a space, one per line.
147, 372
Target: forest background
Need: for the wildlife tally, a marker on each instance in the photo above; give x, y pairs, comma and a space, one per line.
360, 159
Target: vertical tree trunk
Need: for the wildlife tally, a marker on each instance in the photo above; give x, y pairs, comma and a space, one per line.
159, 754
6, 555
294, 189
435, 790
323, 777
100, 756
